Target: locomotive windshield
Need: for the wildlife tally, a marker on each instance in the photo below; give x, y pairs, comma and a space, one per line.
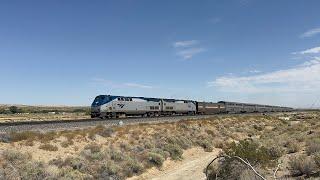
99, 100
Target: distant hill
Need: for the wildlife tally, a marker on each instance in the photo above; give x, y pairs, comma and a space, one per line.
43, 108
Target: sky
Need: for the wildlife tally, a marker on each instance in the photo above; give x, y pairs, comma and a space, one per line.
67, 52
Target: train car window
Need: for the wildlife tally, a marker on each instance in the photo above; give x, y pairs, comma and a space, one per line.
156, 107
151, 107
130, 99
118, 99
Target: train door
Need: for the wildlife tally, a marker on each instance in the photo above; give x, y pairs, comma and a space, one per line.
161, 105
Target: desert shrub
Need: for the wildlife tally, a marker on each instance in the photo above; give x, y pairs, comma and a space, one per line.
292, 147
251, 151
74, 162
6, 138
155, 158
102, 131
25, 135
29, 143
125, 146
148, 144
210, 132
132, 167
70, 173
93, 147
227, 168
108, 170
15, 157
46, 137
93, 152
174, 150
66, 144
164, 154
317, 159
116, 155
275, 151
96, 156
48, 147
257, 127
301, 165
219, 144
19, 165
57, 162
181, 141
32, 170
213, 171
205, 144
69, 135
313, 146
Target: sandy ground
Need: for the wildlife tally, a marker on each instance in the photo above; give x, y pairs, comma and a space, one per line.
191, 167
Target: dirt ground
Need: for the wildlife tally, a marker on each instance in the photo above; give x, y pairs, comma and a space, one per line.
191, 167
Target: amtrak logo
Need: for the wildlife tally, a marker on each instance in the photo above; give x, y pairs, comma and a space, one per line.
121, 105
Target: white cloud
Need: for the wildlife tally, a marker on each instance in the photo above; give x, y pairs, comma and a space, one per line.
187, 49
112, 84
254, 71
310, 33
303, 78
189, 43
189, 53
135, 85
309, 51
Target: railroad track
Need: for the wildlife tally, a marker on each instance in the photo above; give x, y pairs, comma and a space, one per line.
84, 123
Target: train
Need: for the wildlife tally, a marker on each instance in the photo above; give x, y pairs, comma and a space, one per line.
110, 106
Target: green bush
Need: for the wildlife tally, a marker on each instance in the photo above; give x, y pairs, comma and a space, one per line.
251, 151
14, 109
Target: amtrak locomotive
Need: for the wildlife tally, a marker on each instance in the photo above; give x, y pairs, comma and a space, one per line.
108, 106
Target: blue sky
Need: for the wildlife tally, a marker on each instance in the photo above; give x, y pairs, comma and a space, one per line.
67, 52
